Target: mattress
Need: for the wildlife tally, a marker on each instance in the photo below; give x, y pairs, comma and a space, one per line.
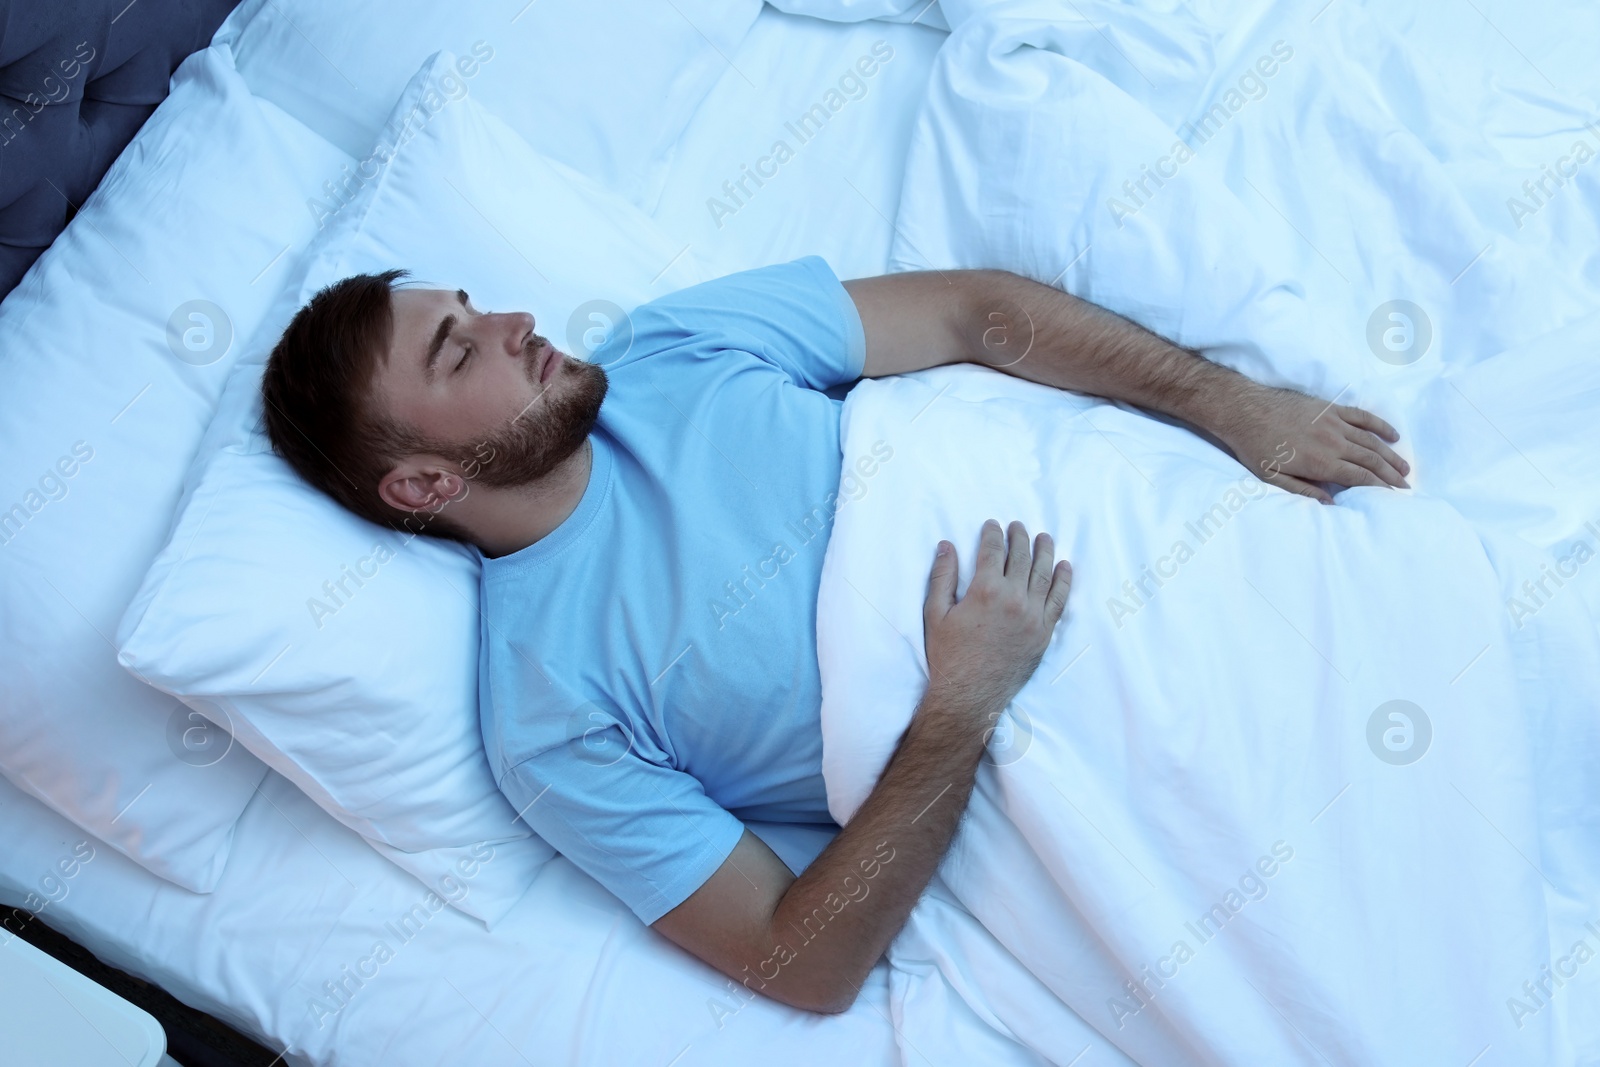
287, 950
317, 947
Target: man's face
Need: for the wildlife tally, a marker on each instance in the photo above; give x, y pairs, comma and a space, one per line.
464, 379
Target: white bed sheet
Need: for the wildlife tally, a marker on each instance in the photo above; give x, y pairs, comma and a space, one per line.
1377, 166
838, 195
569, 976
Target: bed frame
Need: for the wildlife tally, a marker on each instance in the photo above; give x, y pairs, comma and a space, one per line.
77, 80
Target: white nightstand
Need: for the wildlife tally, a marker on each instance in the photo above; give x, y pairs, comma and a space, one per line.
55, 1017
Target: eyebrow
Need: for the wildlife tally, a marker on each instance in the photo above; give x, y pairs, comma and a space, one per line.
435, 346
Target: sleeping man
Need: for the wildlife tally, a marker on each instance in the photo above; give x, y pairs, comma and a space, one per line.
652, 522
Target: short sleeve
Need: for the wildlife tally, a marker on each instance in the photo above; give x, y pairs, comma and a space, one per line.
796, 316
646, 832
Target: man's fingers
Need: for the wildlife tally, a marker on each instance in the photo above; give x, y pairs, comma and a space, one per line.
1304, 488
1368, 421
1347, 473
1044, 555
1017, 561
991, 550
941, 582
1394, 468
1365, 457
1055, 601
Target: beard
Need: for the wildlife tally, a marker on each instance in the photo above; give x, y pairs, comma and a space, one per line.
535, 443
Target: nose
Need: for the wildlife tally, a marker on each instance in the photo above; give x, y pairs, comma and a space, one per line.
518, 332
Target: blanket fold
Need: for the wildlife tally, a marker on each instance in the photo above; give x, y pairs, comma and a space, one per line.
1293, 783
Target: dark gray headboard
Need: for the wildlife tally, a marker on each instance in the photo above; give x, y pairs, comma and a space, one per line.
77, 80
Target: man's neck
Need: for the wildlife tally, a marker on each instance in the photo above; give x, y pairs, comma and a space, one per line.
513, 519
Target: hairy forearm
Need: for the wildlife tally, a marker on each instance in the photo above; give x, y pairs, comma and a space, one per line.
1040, 333
840, 914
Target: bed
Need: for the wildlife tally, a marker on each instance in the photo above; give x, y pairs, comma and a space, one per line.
569, 975
236, 890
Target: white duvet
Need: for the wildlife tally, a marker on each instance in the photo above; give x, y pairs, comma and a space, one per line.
1294, 783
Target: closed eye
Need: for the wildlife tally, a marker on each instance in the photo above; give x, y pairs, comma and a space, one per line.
466, 302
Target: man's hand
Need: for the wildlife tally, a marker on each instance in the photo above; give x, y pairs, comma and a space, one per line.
1292, 440
985, 648
811, 941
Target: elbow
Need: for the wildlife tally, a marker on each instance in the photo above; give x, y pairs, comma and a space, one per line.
992, 326
834, 1004
832, 999
839, 1004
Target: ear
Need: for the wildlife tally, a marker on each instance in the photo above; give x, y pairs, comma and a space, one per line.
421, 485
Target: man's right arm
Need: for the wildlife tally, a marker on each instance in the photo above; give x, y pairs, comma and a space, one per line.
811, 941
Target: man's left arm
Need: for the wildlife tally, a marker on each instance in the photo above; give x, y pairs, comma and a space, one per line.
1012, 324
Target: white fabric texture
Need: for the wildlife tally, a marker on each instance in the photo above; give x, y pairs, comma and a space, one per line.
110, 381
925, 12
831, 183
343, 654
1211, 732
604, 88
569, 976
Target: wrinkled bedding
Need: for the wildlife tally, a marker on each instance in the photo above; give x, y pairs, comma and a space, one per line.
1294, 783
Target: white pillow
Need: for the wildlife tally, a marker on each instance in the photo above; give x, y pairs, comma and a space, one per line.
102, 418
605, 88
367, 698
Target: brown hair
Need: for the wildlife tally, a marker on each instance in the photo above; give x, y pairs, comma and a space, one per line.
316, 399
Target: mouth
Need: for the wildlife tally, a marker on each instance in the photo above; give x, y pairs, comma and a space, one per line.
549, 361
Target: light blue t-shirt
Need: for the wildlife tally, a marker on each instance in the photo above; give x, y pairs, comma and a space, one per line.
649, 669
